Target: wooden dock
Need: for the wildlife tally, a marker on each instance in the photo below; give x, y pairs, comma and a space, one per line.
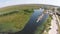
39, 18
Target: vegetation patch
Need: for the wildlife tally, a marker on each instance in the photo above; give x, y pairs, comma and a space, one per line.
8, 13
13, 20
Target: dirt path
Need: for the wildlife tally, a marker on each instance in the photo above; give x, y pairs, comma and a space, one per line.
53, 26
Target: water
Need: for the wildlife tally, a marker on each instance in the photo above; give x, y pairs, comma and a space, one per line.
32, 25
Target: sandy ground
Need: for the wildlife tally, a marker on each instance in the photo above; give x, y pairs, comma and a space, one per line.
58, 19
53, 26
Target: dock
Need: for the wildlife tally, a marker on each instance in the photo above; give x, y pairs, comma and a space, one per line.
39, 18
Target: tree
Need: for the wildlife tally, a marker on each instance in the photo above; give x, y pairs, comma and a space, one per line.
58, 9
53, 9
28, 10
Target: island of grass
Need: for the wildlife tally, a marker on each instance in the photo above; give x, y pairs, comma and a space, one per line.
14, 19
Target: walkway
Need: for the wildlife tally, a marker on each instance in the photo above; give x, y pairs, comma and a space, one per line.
53, 26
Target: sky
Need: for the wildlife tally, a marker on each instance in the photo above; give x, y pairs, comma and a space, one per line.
4, 3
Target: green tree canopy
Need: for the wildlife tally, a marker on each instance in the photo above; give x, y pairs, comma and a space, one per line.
58, 9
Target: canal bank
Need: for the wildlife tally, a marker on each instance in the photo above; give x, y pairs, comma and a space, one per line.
32, 25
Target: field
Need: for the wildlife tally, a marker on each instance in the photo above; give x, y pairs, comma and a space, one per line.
13, 19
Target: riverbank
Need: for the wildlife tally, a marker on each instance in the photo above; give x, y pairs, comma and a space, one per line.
44, 27
47, 25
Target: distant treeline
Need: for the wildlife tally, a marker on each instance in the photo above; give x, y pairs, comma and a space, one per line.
26, 11
8, 13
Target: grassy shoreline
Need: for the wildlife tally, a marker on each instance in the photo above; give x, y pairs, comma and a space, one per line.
44, 26
13, 22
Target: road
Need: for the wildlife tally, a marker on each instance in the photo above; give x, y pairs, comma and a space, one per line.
54, 26
58, 23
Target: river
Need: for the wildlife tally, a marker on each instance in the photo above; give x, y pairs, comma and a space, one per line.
32, 25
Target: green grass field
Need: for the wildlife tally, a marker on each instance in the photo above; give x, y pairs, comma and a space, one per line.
13, 22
